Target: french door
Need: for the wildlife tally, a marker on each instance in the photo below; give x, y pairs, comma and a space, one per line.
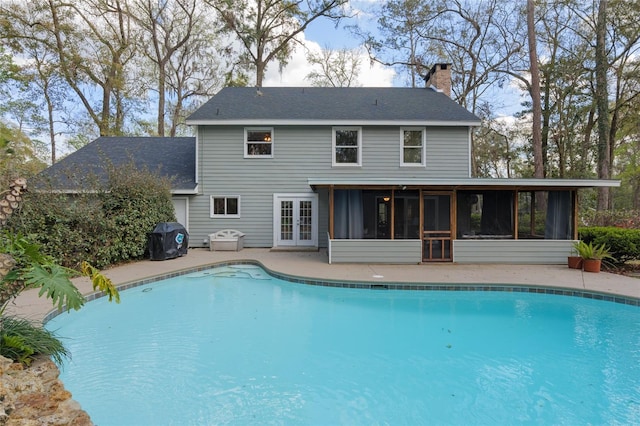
296, 220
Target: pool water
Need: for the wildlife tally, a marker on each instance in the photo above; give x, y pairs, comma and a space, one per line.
233, 345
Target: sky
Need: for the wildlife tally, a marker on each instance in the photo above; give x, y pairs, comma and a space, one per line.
370, 75
322, 34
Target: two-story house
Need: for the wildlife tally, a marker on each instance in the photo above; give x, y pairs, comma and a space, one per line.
373, 175
370, 174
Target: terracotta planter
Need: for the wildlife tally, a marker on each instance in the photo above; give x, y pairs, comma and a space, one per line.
592, 265
574, 262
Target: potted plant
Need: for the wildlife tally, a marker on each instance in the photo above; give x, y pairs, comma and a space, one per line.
575, 259
592, 256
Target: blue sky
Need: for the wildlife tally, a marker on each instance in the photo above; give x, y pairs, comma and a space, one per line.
326, 34
322, 34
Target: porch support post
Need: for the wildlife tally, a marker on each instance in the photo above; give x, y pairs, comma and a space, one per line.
515, 214
392, 214
574, 213
532, 224
331, 211
453, 218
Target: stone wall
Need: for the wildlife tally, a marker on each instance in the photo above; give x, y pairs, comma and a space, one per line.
34, 395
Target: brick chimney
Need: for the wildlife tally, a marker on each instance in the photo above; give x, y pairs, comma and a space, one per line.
439, 77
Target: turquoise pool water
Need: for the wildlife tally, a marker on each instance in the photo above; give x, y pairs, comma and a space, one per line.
233, 345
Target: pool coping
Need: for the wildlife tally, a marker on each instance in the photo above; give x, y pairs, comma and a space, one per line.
371, 285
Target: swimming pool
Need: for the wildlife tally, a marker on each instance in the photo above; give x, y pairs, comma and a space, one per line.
234, 345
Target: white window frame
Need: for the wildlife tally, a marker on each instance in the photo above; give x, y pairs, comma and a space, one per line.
402, 147
333, 147
225, 215
247, 142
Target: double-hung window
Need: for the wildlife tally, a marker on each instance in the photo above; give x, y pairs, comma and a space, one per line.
347, 146
412, 146
258, 142
225, 206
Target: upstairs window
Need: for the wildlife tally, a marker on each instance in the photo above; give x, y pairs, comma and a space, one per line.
347, 146
258, 142
412, 148
225, 206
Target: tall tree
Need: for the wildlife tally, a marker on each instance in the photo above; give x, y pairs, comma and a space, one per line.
480, 39
194, 75
398, 41
96, 51
32, 102
336, 68
623, 48
92, 41
602, 103
46, 79
536, 132
268, 29
168, 26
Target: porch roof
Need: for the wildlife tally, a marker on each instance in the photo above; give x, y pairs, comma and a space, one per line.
466, 183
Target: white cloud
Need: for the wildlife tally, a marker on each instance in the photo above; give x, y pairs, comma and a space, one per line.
294, 74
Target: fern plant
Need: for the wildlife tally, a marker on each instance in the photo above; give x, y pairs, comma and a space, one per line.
21, 341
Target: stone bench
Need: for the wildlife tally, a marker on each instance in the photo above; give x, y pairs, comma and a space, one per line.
226, 240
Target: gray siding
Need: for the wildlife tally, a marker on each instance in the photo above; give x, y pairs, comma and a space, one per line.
375, 251
302, 152
546, 252
448, 152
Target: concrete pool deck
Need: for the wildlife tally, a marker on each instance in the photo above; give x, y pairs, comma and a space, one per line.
314, 264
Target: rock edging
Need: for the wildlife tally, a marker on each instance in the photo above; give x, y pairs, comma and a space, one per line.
34, 395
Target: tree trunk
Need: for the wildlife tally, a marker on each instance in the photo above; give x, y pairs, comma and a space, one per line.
536, 102
50, 117
536, 136
261, 66
602, 104
161, 98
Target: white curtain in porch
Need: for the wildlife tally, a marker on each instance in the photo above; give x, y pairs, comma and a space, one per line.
558, 223
347, 214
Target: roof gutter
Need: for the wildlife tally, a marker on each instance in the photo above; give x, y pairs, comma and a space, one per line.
357, 122
177, 191
466, 182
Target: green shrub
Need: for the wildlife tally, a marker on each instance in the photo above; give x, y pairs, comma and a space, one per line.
624, 244
21, 340
107, 224
629, 219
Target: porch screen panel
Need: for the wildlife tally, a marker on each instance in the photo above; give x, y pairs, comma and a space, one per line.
485, 214
286, 221
407, 215
437, 213
497, 213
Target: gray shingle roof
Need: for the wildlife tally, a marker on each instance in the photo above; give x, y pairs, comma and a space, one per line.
174, 158
331, 104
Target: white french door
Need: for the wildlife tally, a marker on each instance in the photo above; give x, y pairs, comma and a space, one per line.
295, 220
